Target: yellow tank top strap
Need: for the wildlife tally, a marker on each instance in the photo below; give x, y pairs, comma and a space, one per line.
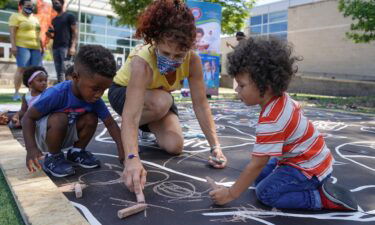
147, 52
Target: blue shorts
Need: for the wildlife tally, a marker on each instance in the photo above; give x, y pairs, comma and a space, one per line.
28, 57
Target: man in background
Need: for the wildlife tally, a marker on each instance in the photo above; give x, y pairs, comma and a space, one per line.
64, 34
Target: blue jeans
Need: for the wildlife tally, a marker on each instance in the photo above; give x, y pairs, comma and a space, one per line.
28, 57
287, 187
59, 56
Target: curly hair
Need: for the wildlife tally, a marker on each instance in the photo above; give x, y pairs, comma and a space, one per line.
269, 63
29, 72
170, 19
97, 60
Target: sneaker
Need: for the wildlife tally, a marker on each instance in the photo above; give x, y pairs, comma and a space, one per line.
146, 136
335, 197
83, 158
57, 165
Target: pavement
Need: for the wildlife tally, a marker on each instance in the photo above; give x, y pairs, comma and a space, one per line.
177, 190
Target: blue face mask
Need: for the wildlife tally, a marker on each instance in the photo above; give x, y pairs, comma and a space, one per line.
28, 10
165, 64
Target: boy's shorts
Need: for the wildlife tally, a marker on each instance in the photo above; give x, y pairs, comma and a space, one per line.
41, 132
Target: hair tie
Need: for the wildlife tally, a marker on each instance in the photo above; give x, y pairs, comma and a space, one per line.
36, 73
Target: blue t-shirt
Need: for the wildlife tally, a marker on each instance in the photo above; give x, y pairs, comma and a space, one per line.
60, 98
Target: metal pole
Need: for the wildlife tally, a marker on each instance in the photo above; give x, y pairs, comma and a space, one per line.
79, 22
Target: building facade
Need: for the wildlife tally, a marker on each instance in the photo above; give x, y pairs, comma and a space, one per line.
98, 24
316, 29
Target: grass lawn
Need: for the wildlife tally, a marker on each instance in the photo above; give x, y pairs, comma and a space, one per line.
9, 213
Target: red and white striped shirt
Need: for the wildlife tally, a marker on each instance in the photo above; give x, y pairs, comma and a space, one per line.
284, 131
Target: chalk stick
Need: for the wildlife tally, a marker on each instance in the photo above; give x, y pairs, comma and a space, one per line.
212, 183
78, 190
140, 197
131, 210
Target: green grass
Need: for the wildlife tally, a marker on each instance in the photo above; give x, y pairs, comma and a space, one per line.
362, 104
6, 98
9, 213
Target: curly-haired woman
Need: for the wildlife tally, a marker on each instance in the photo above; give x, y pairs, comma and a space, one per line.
142, 88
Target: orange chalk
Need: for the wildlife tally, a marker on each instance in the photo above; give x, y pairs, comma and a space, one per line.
131, 210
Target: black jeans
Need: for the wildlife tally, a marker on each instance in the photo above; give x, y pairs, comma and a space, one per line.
59, 56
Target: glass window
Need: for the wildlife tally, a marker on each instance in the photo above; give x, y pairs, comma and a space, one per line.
256, 20
95, 39
4, 28
83, 17
265, 18
278, 27
118, 41
97, 20
118, 33
278, 16
4, 16
255, 30
265, 29
92, 29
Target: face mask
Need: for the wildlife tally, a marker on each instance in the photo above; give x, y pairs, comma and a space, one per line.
28, 10
165, 64
57, 7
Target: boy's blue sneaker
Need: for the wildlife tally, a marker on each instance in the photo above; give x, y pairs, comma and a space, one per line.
57, 165
83, 158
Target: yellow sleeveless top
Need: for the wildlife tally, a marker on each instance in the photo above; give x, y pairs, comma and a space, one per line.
147, 52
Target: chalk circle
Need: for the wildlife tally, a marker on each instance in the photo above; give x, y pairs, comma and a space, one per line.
101, 177
366, 148
176, 189
155, 176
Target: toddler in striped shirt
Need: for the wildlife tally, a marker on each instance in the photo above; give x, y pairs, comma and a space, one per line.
291, 164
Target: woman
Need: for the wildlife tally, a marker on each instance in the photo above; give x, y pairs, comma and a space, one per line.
141, 89
25, 40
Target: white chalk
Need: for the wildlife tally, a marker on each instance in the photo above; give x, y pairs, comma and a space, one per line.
78, 190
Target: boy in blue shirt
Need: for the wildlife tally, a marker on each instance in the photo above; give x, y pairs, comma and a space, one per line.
66, 115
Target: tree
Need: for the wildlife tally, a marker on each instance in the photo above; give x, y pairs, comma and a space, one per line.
363, 13
234, 12
3, 3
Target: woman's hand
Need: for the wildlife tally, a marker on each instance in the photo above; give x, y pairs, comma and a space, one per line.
221, 196
134, 175
217, 158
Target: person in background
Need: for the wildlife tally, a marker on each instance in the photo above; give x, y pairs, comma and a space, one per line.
25, 41
65, 35
240, 36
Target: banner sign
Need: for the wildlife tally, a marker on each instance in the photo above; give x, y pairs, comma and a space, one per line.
208, 21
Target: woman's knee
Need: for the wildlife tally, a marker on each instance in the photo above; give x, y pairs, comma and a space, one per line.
173, 143
159, 103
